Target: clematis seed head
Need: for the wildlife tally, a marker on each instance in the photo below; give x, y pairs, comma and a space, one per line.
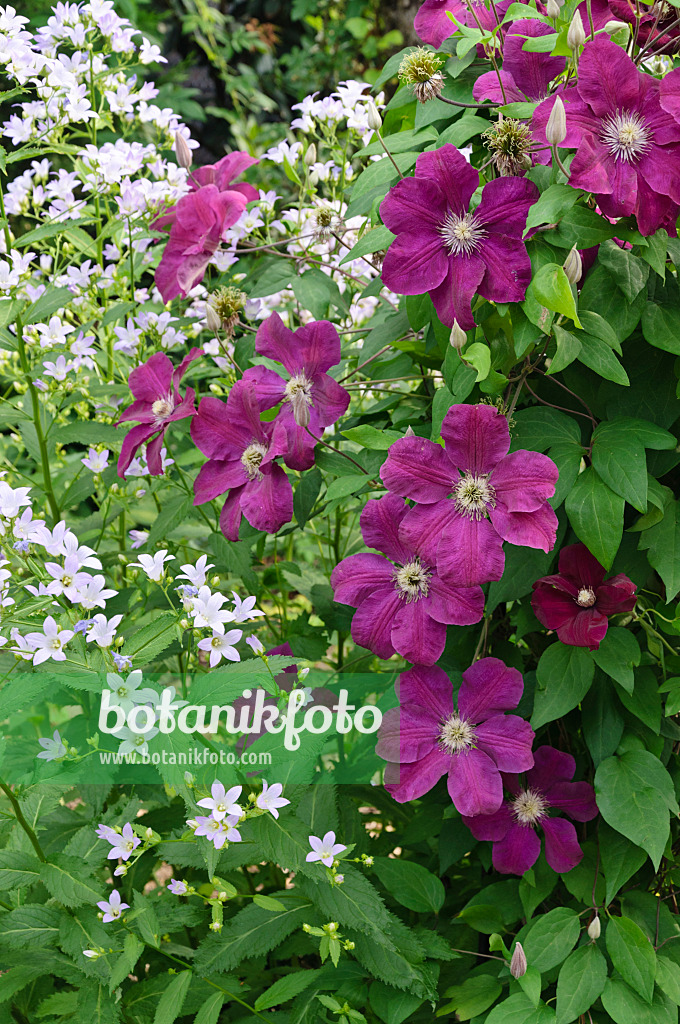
509, 142
420, 70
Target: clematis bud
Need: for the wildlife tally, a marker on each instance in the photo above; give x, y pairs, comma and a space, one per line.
612, 27
594, 928
373, 118
409, 432
182, 151
310, 155
458, 337
573, 266
556, 128
212, 319
552, 9
576, 35
518, 964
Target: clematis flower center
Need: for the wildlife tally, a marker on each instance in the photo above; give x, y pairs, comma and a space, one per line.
462, 235
162, 408
586, 597
251, 459
529, 807
412, 580
472, 495
299, 394
626, 135
456, 735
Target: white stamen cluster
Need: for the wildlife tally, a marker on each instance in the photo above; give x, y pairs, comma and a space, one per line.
462, 235
456, 734
473, 495
411, 581
529, 807
252, 459
626, 135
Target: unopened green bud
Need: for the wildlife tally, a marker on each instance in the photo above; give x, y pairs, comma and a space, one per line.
182, 151
612, 27
373, 118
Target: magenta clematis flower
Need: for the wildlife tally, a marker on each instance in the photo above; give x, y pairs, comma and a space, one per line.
158, 403
222, 175
472, 495
310, 397
471, 740
402, 607
525, 75
444, 248
198, 224
433, 24
512, 829
654, 26
628, 145
578, 601
241, 452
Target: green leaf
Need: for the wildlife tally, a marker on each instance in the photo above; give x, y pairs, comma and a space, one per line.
29, 926
209, 1012
617, 655
628, 271
563, 677
668, 977
132, 950
393, 1007
370, 437
51, 300
581, 227
655, 251
268, 903
551, 938
411, 884
661, 318
373, 241
478, 356
311, 289
174, 513
568, 349
581, 980
551, 204
66, 880
151, 640
343, 486
519, 1009
632, 954
596, 515
619, 458
635, 794
251, 932
539, 428
61, 1004
620, 860
472, 997
662, 544
17, 869
286, 988
171, 1002
306, 493
625, 1006
551, 288
598, 356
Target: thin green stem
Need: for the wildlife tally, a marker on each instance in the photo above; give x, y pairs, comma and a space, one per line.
19, 815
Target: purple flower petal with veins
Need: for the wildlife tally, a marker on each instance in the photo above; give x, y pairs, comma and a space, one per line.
471, 740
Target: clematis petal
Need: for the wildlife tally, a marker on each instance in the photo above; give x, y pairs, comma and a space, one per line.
507, 739
523, 480
410, 781
474, 783
419, 469
267, 504
416, 635
380, 521
537, 529
372, 622
358, 576
562, 850
488, 688
517, 851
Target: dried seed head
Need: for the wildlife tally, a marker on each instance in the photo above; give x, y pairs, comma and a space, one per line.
509, 142
556, 128
326, 221
576, 35
518, 963
225, 305
420, 70
573, 266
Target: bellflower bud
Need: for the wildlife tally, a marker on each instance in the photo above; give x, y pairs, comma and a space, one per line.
594, 928
573, 266
310, 155
518, 963
458, 337
576, 35
373, 118
556, 128
182, 151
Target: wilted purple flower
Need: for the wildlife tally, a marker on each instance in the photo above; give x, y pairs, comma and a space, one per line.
444, 248
516, 846
241, 451
405, 606
122, 845
433, 24
310, 398
472, 495
177, 888
157, 404
524, 75
325, 849
472, 739
628, 146
112, 907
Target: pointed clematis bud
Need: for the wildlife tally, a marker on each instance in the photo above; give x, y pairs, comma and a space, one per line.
612, 27
409, 432
594, 928
373, 118
576, 35
212, 319
420, 70
552, 9
518, 963
458, 337
310, 155
573, 266
556, 128
182, 151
